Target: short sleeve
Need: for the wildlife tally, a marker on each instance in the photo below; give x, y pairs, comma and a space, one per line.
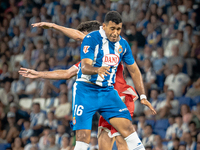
88, 47
167, 81
127, 56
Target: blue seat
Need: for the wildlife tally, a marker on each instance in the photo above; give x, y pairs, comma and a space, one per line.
196, 100
162, 124
150, 122
186, 100
160, 132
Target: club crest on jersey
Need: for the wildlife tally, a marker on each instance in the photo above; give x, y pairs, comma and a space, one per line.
85, 49
120, 49
74, 120
111, 59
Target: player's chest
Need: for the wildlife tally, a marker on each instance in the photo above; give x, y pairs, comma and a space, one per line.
110, 54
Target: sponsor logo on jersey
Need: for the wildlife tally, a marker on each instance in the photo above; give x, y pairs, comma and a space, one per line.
74, 120
111, 59
120, 49
124, 109
85, 49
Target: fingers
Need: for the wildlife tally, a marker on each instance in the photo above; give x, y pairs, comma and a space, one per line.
101, 76
23, 69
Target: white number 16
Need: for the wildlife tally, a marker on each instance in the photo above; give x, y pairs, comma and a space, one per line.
79, 110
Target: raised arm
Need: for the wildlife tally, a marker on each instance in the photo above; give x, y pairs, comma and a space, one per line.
71, 33
138, 82
56, 75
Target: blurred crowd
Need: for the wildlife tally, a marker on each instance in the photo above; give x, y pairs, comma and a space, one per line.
164, 36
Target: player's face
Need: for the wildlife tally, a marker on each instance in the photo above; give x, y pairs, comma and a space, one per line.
112, 30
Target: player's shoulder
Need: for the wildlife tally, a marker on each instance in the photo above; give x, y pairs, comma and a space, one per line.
93, 36
123, 41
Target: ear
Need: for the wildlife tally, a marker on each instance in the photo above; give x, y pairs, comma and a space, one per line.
104, 26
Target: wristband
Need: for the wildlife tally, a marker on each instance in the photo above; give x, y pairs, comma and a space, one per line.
143, 97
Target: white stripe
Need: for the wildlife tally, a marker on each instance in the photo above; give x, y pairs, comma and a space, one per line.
114, 67
105, 48
95, 54
74, 94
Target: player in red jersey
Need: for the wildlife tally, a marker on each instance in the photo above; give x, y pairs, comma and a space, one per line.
127, 93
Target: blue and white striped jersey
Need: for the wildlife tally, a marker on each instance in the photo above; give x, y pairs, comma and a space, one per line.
103, 52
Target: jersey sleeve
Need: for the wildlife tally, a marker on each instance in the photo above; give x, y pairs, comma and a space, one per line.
88, 47
127, 56
76, 65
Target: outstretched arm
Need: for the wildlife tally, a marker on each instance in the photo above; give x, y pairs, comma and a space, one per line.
138, 82
56, 75
71, 33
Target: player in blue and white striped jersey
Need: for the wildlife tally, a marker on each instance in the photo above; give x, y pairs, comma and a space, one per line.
101, 52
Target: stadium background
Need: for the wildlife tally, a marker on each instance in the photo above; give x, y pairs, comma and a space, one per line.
165, 42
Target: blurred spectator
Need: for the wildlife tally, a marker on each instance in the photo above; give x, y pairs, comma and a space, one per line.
148, 138
177, 81
158, 145
73, 52
60, 133
141, 21
179, 127
128, 15
135, 37
188, 34
37, 118
51, 121
149, 75
194, 56
175, 145
34, 142
64, 109
27, 62
17, 42
52, 145
190, 144
168, 106
93, 141
154, 39
141, 125
17, 86
175, 58
6, 96
62, 52
142, 56
195, 52
160, 61
193, 130
17, 145
11, 129
169, 131
43, 142
30, 89
65, 142
26, 133
39, 48
19, 114
154, 102
5, 72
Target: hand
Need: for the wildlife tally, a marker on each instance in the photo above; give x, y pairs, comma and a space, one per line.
103, 71
29, 73
44, 25
146, 102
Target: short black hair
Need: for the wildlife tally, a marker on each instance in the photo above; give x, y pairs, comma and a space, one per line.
148, 125
113, 16
89, 26
192, 122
